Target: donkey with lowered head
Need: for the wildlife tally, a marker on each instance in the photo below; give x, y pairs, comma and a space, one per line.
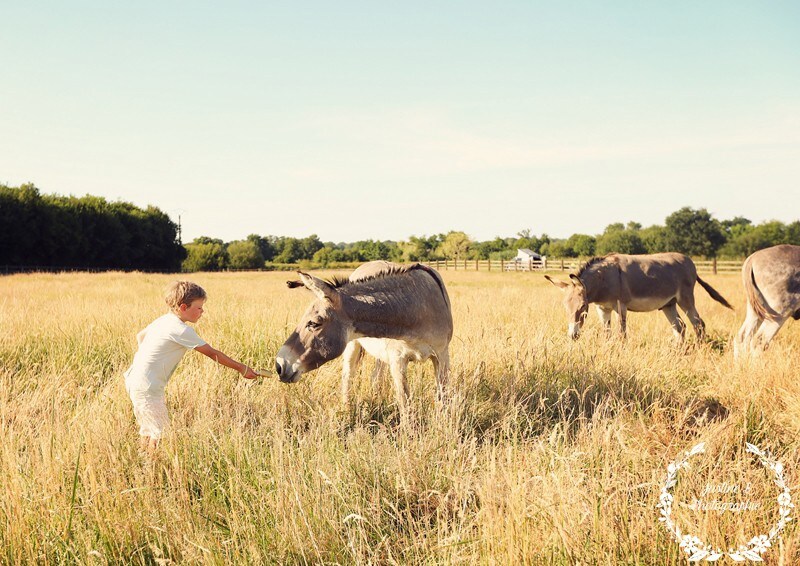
637, 283
398, 315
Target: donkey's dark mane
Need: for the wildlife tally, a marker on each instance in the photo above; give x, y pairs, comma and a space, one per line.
594, 261
339, 281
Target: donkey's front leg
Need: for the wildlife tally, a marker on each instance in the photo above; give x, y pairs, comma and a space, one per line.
352, 355
604, 314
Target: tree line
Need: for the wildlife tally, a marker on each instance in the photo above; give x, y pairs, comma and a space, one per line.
39, 230
50, 231
691, 231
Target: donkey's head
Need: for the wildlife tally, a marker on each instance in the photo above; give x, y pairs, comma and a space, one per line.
320, 336
575, 303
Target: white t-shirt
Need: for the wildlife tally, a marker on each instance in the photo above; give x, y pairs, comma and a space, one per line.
165, 341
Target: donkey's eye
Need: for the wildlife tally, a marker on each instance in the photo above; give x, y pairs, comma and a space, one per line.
313, 325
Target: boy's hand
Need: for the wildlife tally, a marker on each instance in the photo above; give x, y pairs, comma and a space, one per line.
249, 373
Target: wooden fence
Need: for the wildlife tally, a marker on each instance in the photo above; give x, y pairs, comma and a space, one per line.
568, 264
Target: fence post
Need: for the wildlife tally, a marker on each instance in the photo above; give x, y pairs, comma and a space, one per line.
544, 263
714, 265
562, 265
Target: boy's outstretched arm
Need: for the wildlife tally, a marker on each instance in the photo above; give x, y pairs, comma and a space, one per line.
226, 361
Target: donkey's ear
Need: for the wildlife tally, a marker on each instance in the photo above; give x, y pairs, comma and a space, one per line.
556, 282
575, 279
319, 287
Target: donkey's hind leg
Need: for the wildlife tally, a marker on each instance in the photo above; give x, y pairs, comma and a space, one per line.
678, 326
743, 343
767, 331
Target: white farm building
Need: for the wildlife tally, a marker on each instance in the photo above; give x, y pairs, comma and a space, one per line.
526, 260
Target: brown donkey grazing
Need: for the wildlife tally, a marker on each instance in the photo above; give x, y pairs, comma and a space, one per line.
398, 315
354, 351
637, 283
771, 280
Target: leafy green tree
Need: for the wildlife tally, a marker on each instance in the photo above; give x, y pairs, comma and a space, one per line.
205, 254
620, 241
245, 254
292, 251
54, 231
559, 248
654, 239
421, 248
735, 227
276, 245
265, 245
581, 245
456, 245
329, 254
793, 233
484, 250
694, 232
309, 246
371, 250
746, 238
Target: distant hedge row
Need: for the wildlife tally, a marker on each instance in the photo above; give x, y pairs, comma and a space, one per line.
88, 232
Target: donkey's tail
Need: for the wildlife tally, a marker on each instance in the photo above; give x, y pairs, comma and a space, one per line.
713, 292
754, 296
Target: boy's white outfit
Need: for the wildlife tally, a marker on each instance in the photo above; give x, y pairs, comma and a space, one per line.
161, 346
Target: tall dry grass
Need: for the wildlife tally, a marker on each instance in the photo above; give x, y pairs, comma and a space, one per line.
550, 452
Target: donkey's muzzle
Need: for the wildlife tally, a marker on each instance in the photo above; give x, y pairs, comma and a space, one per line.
287, 372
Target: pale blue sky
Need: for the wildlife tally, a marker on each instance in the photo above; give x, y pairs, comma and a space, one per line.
359, 120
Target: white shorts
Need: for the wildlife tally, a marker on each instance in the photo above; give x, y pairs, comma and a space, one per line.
150, 410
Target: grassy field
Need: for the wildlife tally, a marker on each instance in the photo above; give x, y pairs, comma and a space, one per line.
550, 452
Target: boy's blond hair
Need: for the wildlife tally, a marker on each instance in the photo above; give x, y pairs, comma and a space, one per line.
180, 293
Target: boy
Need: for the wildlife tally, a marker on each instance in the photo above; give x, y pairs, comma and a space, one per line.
161, 346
